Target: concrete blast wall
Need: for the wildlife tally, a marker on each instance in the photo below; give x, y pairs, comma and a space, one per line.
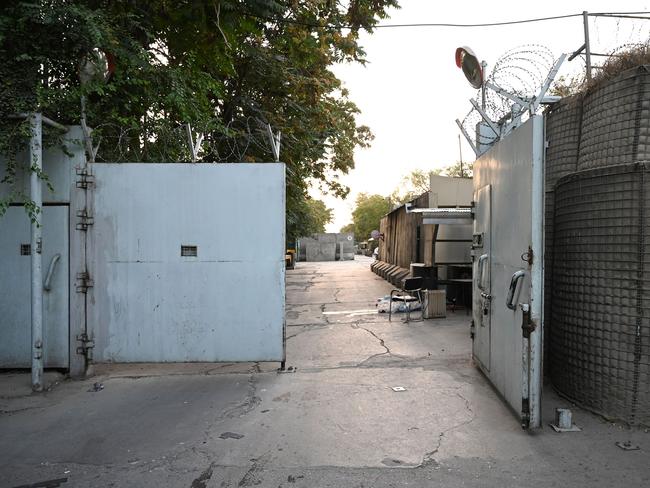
327, 247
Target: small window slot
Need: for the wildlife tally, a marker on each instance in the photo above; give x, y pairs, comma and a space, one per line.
25, 249
189, 251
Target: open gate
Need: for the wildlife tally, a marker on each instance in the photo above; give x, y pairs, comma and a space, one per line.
508, 267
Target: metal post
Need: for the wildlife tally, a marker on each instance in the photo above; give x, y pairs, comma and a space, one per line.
483, 66
460, 151
86, 131
35, 193
585, 21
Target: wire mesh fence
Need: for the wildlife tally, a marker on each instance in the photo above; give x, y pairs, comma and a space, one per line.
616, 121
563, 128
600, 335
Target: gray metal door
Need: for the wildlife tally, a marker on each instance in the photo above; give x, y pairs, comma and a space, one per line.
15, 292
513, 171
482, 287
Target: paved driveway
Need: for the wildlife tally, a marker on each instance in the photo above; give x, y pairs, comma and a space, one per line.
332, 421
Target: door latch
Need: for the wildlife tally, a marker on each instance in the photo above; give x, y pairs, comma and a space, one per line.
477, 241
486, 305
527, 325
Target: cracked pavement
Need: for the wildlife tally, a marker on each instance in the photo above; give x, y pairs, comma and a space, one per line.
333, 421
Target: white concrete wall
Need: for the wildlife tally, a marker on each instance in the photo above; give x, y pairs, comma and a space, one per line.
452, 192
151, 304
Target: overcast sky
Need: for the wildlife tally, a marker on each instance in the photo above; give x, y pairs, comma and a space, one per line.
411, 92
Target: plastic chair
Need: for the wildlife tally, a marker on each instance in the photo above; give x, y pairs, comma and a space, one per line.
410, 292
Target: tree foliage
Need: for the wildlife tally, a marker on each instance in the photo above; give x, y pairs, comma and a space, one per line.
313, 215
417, 181
368, 211
410, 187
320, 214
456, 170
218, 64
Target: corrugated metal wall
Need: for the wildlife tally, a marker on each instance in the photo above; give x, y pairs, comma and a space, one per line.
401, 245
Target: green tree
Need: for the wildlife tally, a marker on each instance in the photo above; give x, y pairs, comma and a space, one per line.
320, 214
312, 216
368, 211
228, 67
456, 170
410, 187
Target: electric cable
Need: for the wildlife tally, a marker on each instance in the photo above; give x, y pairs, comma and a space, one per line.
455, 25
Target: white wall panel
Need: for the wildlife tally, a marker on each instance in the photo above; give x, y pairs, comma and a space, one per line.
151, 304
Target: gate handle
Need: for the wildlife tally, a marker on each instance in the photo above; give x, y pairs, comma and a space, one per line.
50, 272
479, 278
514, 281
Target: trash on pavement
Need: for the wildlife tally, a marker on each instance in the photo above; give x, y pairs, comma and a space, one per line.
96, 387
627, 446
398, 306
231, 435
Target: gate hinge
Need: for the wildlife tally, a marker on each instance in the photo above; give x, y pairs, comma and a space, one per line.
85, 178
528, 256
86, 347
83, 282
472, 328
85, 220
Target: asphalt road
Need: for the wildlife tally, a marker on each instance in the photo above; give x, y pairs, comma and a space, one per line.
333, 421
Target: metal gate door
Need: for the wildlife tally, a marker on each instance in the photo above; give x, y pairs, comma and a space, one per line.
187, 262
508, 268
15, 292
482, 289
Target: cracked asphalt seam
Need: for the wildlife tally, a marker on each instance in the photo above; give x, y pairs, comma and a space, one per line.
382, 343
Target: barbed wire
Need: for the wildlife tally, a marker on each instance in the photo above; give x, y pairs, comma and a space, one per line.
241, 140
521, 71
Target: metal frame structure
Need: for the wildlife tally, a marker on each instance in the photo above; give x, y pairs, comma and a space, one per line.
520, 107
36, 121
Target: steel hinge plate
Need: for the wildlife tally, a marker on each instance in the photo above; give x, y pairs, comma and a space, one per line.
83, 282
85, 220
87, 345
85, 178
